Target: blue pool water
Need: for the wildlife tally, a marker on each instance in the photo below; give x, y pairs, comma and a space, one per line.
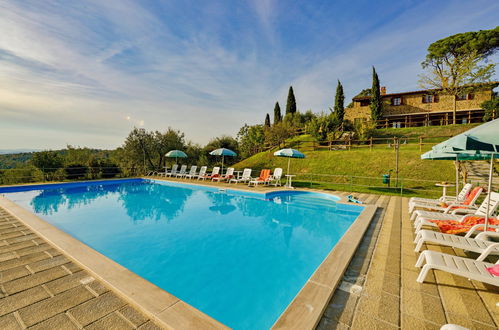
238, 257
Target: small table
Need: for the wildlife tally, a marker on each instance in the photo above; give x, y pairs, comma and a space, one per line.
238, 174
289, 179
444, 188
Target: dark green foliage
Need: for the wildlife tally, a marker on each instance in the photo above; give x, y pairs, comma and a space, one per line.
484, 43
291, 102
376, 104
47, 161
277, 134
323, 126
339, 102
491, 108
108, 169
267, 121
75, 171
251, 140
277, 113
223, 141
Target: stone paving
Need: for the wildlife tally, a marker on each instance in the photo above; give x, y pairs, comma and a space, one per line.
42, 289
379, 290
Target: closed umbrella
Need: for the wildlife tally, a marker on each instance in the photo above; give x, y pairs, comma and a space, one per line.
290, 153
223, 152
483, 139
176, 154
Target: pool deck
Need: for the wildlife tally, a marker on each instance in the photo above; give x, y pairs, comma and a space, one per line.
41, 288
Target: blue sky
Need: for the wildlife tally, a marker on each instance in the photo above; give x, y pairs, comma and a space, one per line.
85, 72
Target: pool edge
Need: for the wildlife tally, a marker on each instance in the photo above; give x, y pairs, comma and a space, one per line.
308, 306
161, 306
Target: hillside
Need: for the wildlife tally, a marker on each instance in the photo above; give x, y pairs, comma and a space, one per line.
360, 169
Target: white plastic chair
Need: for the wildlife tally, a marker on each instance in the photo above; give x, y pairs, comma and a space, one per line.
424, 217
246, 177
173, 171
182, 171
469, 268
460, 198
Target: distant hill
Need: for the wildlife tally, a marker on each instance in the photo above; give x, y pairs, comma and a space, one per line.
17, 151
15, 160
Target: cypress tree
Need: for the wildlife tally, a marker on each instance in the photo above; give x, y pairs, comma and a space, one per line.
291, 103
267, 120
339, 102
376, 105
277, 113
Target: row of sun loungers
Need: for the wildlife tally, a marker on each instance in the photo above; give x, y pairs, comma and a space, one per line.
458, 215
265, 178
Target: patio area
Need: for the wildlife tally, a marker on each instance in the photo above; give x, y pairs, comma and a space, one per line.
379, 289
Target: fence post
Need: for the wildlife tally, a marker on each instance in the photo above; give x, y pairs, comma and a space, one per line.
420, 143
371, 143
401, 187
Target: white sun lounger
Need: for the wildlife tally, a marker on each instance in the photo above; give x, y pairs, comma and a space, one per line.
173, 171
275, 178
246, 177
228, 175
182, 172
202, 171
192, 172
469, 268
479, 244
450, 205
214, 173
460, 198
423, 217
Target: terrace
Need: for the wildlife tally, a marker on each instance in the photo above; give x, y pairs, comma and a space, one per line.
43, 288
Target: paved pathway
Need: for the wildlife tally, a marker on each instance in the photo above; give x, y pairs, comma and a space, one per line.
380, 291
42, 289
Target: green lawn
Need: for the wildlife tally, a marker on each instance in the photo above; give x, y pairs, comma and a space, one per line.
356, 169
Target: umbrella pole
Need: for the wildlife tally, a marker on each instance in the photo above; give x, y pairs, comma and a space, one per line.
489, 189
289, 161
222, 165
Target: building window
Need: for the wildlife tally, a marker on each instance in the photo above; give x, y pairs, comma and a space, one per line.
397, 124
428, 98
396, 101
462, 97
364, 103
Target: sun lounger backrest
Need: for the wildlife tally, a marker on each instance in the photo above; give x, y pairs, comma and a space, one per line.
473, 196
174, 168
494, 204
193, 170
215, 170
230, 171
202, 171
265, 174
183, 168
464, 192
246, 174
277, 173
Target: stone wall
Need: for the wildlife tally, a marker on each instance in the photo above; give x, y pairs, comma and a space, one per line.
413, 103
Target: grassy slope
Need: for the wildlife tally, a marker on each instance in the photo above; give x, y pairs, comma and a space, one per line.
322, 166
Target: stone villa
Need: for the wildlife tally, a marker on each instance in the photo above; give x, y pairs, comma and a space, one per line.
423, 107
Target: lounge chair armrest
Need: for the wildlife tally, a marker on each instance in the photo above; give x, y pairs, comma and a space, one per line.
486, 235
476, 228
487, 251
465, 211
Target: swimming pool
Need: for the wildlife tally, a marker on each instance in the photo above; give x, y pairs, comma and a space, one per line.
240, 257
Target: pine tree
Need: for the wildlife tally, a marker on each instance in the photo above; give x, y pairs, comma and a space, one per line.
277, 113
267, 121
376, 104
291, 103
339, 102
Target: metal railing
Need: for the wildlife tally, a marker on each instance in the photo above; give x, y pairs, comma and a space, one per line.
352, 183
